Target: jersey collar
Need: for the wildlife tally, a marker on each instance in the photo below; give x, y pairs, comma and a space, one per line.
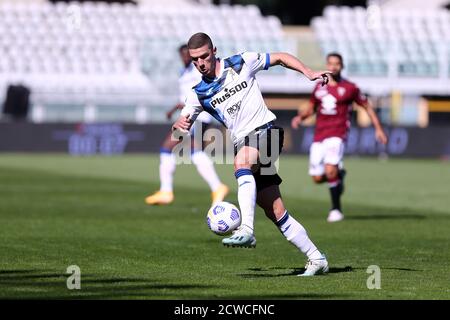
221, 69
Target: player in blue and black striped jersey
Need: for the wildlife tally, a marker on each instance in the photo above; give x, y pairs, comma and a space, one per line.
230, 93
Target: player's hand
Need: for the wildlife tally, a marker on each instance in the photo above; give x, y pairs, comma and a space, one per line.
381, 136
295, 122
323, 75
183, 124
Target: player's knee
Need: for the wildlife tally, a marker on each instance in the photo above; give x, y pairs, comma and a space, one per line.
169, 144
317, 179
274, 211
278, 209
240, 166
166, 145
331, 173
242, 161
279, 212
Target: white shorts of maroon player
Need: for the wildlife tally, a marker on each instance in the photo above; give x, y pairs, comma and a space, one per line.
327, 151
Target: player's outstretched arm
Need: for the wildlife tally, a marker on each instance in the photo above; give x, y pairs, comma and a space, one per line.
379, 132
289, 61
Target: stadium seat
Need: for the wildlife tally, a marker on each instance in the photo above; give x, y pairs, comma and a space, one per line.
114, 48
412, 37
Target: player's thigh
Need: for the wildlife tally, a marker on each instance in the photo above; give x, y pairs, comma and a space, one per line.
331, 171
316, 158
269, 199
246, 158
270, 144
334, 151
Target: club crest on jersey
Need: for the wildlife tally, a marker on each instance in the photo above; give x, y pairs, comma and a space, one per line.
230, 75
341, 91
234, 109
228, 93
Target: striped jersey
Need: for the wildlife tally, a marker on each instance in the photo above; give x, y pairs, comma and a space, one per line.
234, 97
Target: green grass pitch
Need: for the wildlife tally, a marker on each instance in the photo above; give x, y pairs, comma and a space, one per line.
57, 211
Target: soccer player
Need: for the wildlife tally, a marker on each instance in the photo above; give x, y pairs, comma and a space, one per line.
188, 78
333, 104
230, 93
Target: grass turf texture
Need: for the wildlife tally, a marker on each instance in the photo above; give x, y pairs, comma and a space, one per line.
57, 211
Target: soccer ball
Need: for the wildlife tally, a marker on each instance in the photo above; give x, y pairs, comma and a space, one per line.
223, 217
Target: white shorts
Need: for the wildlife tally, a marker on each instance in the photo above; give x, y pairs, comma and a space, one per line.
328, 151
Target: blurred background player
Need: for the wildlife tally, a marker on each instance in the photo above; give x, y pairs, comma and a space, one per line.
229, 91
333, 105
189, 77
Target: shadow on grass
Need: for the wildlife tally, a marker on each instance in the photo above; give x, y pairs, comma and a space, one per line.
20, 271
401, 269
288, 296
361, 213
397, 269
40, 284
387, 217
318, 209
267, 273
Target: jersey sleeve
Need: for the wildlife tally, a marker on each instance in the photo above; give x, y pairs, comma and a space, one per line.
192, 106
256, 61
359, 97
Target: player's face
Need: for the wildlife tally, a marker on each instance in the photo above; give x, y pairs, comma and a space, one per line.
185, 57
335, 66
204, 59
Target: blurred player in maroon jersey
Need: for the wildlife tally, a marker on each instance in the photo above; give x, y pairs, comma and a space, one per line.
333, 105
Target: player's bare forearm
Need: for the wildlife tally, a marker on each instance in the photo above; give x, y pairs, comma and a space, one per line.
306, 113
379, 132
302, 115
289, 61
373, 117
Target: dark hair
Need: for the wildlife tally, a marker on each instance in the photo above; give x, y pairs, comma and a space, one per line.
337, 55
198, 40
182, 47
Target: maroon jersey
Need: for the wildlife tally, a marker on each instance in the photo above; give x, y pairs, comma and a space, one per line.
334, 106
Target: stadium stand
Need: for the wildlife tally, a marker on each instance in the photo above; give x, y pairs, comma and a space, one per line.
118, 62
83, 59
399, 56
376, 43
